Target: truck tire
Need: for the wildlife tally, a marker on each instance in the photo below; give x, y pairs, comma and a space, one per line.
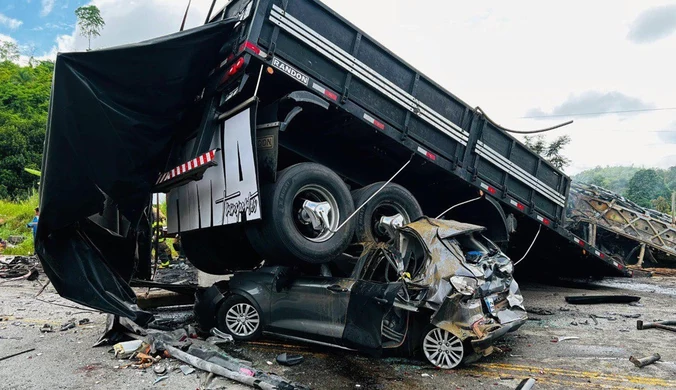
285, 234
393, 199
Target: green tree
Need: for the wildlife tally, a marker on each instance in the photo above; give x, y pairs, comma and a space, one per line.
9, 51
24, 102
661, 204
614, 178
645, 186
90, 22
551, 151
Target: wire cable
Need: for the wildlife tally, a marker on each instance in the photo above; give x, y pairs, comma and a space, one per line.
482, 112
597, 113
530, 247
458, 205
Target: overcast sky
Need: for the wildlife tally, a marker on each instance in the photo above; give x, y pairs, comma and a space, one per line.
528, 64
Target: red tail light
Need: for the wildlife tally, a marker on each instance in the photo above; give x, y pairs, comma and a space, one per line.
250, 46
234, 68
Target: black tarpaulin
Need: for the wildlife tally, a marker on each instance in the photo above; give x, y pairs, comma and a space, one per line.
112, 118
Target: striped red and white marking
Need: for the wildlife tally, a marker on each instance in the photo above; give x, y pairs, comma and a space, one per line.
374, 121
544, 220
188, 166
491, 190
319, 88
518, 205
427, 153
578, 241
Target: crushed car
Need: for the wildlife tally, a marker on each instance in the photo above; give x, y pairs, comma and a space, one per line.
439, 290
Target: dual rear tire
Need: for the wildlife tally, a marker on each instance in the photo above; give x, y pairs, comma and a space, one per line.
289, 231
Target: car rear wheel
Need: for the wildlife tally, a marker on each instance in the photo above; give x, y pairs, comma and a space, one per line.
442, 348
302, 211
394, 200
240, 318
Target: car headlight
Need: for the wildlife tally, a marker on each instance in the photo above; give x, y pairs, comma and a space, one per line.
464, 285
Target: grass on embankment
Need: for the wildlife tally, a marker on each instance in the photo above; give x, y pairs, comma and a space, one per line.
13, 219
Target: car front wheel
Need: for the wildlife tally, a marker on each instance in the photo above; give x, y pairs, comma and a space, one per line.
442, 348
240, 318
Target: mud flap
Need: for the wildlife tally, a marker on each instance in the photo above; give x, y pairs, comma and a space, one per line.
228, 192
369, 303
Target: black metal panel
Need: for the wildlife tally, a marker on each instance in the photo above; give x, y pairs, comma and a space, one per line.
496, 139
545, 205
490, 172
377, 103
518, 190
549, 176
436, 141
525, 159
388, 66
310, 61
326, 24
440, 101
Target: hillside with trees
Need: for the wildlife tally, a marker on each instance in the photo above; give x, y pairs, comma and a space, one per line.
24, 102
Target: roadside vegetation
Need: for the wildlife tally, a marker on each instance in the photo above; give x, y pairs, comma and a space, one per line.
14, 215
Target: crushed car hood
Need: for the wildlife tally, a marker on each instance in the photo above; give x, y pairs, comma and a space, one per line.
431, 286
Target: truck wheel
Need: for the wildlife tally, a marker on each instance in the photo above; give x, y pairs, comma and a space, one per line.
392, 200
301, 213
240, 318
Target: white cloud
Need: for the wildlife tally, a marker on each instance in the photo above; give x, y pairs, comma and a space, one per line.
6, 38
47, 6
10, 23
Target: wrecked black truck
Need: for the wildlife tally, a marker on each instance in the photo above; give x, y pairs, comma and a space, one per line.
441, 291
281, 133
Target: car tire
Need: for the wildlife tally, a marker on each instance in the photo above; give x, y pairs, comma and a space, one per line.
283, 236
441, 348
393, 199
237, 315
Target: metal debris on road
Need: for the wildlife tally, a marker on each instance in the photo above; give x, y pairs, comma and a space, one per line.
593, 317
186, 370
160, 379
16, 354
539, 311
644, 361
19, 268
599, 299
289, 360
666, 325
47, 328
83, 321
68, 325
159, 369
563, 338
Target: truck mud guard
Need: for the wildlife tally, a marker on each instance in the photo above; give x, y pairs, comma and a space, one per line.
112, 119
227, 193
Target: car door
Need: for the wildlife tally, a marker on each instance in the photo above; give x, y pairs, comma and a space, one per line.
368, 304
313, 307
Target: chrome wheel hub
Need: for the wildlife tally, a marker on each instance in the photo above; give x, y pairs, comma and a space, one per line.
317, 213
443, 349
242, 319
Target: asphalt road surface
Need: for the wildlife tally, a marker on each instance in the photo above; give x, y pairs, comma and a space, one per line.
597, 358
